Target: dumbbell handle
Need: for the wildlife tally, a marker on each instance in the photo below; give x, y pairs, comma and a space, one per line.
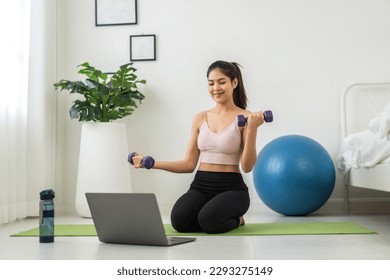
242, 120
147, 162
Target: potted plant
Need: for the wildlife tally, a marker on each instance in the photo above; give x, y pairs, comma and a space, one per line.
105, 97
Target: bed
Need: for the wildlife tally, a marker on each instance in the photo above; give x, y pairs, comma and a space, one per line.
361, 103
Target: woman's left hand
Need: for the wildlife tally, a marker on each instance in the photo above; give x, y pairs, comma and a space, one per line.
255, 119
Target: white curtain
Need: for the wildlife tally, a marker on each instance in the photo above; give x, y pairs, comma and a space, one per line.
27, 105
14, 53
41, 117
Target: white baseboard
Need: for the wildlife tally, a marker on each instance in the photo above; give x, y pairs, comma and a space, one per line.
332, 207
369, 205
337, 206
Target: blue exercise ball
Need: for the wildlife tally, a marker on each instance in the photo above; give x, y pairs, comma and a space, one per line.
294, 175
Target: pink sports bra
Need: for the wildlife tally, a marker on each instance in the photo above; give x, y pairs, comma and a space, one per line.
220, 148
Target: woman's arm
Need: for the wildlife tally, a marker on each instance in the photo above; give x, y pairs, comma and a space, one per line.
190, 161
249, 153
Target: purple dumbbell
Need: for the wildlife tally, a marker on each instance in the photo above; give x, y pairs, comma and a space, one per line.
242, 120
147, 162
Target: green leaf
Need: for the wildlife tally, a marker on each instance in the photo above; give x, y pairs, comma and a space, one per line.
84, 111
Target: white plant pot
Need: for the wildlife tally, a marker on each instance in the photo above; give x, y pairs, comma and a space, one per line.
103, 165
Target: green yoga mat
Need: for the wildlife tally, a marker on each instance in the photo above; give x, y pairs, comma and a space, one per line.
308, 228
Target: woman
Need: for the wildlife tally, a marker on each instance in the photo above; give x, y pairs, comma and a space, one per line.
218, 197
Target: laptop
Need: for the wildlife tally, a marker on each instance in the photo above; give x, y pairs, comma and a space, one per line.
130, 218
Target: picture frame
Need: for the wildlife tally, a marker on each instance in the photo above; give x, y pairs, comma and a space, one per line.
115, 12
143, 47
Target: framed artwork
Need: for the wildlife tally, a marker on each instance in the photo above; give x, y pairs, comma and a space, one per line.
115, 12
142, 47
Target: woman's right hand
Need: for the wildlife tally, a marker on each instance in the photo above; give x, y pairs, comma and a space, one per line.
137, 160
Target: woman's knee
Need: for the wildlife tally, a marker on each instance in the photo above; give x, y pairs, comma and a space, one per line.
180, 220
222, 213
208, 223
184, 214
216, 222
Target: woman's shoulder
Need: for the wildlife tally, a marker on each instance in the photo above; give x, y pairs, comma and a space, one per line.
245, 112
199, 118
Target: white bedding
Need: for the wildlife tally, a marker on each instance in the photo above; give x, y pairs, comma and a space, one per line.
367, 148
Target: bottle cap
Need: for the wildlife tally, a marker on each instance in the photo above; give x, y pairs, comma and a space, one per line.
47, 194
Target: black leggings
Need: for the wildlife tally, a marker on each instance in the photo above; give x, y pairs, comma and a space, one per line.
213, 204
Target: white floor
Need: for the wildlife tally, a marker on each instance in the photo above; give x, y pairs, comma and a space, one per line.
316, 247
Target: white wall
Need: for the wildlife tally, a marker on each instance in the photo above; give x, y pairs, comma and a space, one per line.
297, 56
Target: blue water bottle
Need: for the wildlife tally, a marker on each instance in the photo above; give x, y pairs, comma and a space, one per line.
46, 216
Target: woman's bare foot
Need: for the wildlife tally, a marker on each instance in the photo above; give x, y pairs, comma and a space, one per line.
242, 221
